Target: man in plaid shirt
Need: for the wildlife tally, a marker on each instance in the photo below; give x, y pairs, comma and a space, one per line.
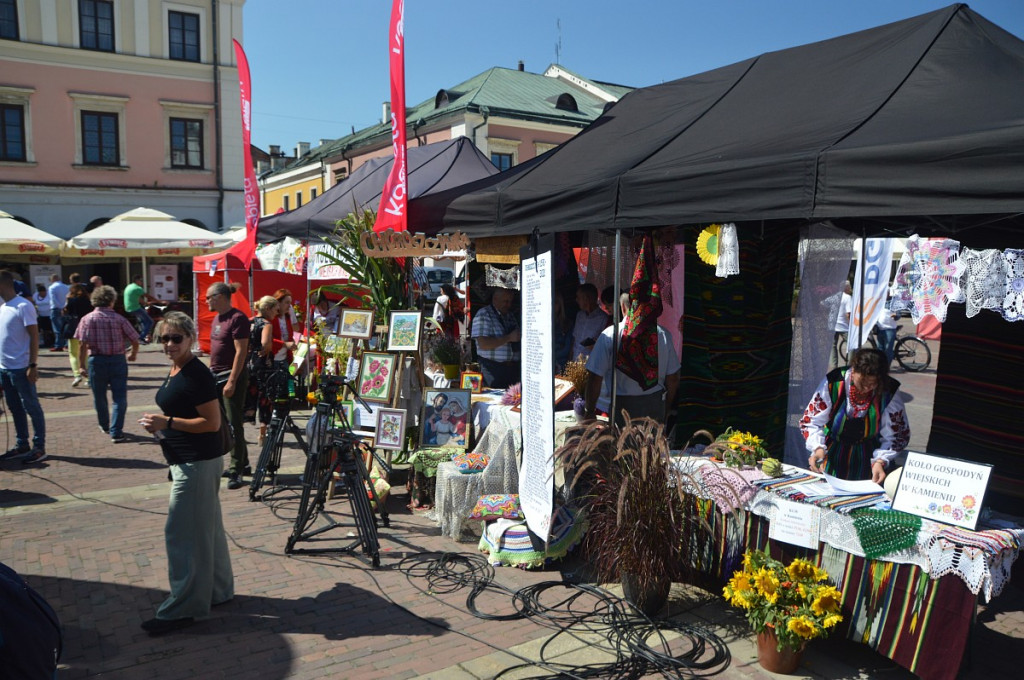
103, 335
497, 334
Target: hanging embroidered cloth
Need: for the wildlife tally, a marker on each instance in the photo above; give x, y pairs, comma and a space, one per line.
638, 349
502, 278
984, 280
928, 278
1013, 300
728, 252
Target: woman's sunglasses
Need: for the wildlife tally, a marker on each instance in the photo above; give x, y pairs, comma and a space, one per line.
176, 339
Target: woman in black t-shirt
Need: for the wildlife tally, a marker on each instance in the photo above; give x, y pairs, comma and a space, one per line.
198, 562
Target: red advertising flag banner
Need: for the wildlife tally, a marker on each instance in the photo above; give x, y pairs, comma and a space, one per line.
245, 250
394, 201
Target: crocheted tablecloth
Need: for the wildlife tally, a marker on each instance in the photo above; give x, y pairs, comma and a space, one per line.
982, 559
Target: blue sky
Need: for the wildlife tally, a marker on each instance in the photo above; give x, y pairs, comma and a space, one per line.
319, 67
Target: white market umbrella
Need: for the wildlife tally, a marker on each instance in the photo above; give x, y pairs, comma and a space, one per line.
148, 233
18, 238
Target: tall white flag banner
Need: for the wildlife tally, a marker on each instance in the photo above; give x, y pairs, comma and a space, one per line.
873, 270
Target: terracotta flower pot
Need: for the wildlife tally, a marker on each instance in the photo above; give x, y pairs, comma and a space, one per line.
771, 659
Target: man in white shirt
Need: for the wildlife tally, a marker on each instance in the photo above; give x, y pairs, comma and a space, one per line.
19, 351
842, 326
590, 321
57, 292
630, 396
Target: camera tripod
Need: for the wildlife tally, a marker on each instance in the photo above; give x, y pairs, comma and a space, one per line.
338, 451
280, 423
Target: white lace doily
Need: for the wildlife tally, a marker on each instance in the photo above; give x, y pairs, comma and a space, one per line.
984, 279
1013, 299
728, 251
928, 278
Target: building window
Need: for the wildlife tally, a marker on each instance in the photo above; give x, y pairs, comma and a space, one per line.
186, 143
502, 161
298, 199
96, 24
287, 204
183, 38
100, 138
9, 19
12, 133
312, 193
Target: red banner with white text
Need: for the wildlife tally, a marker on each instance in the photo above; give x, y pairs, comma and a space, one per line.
245, 250
393, 210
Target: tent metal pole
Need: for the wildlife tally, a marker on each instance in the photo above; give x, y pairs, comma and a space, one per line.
616, 318
145, 274
860, 274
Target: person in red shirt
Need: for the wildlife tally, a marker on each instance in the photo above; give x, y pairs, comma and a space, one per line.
102, 335
229, 347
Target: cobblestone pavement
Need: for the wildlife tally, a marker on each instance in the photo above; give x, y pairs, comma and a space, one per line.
85, 529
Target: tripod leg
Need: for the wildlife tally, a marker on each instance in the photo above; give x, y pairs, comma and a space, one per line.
357, 482
385, 520
270, 454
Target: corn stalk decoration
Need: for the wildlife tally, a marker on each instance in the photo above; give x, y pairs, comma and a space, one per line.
379, 283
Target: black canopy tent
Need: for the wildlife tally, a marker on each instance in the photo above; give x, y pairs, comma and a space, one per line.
920, 121
433, 167
911, 127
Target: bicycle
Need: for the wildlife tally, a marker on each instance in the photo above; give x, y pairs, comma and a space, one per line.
910, 351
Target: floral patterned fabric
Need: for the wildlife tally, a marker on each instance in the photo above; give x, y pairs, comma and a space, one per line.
638, 351
497, 506
928, 278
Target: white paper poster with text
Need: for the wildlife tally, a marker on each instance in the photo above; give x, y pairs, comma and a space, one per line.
536, 480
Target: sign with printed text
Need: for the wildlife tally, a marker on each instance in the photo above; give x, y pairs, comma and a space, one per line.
942, 489
796, 523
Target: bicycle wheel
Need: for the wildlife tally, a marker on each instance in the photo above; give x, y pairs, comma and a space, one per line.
841, 348
913, 353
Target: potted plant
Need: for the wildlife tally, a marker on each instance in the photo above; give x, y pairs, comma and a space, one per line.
447, 353
642, 522
786, 605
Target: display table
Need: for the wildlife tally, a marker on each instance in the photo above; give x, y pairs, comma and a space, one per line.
915, 606
502, 440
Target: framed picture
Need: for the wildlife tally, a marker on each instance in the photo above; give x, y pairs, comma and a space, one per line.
472, 381
356, 323
446, 418
348, 412
376, 376
390, 428
404, 331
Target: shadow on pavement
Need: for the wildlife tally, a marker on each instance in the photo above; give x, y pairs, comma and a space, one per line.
113, 462
11, 498
102, 634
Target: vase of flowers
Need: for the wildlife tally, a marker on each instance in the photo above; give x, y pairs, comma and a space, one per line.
737, 448
786, 605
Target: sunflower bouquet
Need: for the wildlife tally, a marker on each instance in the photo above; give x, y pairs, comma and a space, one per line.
737, 448
795, 602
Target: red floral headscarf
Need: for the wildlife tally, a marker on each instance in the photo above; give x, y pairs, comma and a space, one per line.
638, 349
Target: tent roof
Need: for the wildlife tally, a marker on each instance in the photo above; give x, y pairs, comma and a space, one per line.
145, 231
922, 117
433, 167
23, 239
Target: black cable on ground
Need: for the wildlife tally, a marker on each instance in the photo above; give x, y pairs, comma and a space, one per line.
638, 645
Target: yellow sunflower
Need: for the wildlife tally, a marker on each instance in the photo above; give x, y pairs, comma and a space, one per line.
831, 620
826, 601
800, 570
803, 627
707, 245
767, 584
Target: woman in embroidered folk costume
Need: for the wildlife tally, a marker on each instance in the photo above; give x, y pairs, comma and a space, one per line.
856, 423
198, 561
